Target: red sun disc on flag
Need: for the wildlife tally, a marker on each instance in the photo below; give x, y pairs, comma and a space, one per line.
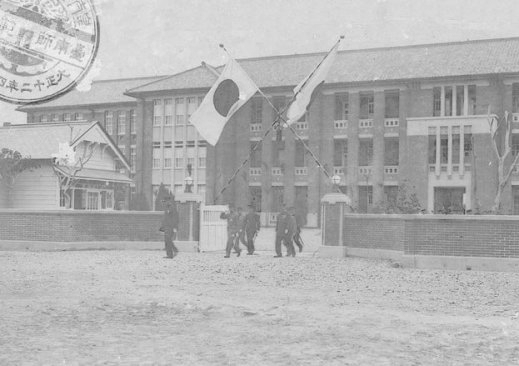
225, 96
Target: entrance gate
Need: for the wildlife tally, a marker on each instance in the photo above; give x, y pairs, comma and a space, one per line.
213, 229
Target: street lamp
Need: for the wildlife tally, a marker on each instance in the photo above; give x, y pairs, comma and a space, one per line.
189, 183
336, 180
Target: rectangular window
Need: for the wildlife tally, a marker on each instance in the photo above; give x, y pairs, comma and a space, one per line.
444, 145
432, 149
448, 100
391, 151
365, 152
277, 198
121, 123
472, 100
340, 152
201, 162
133, 117
67, 117
391, 194
460, 100
277, 146
515, 144
367, 105
279, 103
109, 117
392, 103
455, 155
168, 154
179, 163
437, 101
157, 112
78, 116
192, 106
133, 158
255, 159
168, 112
300, 155
256, 110
43, 118
341, 107
156, 156
467, 142
54, 118
179, 111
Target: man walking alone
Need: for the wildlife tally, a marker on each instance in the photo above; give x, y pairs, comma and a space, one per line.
170, 226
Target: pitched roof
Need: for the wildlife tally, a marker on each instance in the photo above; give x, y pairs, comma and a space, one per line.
101, 92
479, 57
41, 141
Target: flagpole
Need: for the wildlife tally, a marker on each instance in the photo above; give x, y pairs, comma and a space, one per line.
279, 115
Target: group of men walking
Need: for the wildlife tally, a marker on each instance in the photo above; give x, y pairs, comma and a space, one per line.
241, 228
244, 229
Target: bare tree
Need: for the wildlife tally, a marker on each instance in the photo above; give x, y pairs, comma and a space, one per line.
67, 169
502, 149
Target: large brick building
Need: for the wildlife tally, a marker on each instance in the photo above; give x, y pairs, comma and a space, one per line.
387, 115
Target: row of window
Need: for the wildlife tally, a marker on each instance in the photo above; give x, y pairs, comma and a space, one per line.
439, 144
65, 117
340, 153
180, 163
133, 156
120, 122
165, 111
457, 100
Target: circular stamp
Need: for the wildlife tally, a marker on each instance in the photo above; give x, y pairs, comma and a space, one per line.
46, 47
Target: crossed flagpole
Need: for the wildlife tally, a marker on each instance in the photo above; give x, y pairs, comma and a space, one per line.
277, 125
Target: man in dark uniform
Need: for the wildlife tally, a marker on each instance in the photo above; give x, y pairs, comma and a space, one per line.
285, 228
251, 226
299, 223
233, 231
170, 226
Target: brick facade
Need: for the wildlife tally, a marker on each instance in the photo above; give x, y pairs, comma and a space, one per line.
86, 226
434, 235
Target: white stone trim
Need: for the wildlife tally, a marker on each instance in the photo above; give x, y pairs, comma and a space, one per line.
420, 126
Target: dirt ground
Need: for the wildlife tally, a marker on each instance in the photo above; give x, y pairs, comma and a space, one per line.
137, 308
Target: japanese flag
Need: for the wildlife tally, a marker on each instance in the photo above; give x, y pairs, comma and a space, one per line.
231, 91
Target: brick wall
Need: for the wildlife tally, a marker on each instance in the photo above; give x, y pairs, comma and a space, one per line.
84, 226
435, 235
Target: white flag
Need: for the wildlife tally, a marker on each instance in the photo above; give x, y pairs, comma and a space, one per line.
306, 88
231, 91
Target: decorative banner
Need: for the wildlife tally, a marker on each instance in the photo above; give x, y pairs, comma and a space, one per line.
46, 47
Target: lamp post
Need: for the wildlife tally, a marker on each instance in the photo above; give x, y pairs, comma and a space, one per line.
336, 180
189, 183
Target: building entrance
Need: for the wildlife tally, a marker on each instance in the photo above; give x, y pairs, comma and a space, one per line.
449, 200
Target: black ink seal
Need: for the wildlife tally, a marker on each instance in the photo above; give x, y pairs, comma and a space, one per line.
46, 47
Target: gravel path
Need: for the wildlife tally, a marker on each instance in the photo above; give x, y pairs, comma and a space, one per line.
137, 308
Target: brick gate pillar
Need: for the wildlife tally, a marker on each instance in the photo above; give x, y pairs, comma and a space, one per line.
333, 208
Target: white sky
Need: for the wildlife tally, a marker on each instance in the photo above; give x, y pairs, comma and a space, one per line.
150, 37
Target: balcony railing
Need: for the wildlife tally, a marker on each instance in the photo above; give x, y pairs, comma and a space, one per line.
343, 123
391, 122
301, 171
277, 171
254, 171
365, 170
255, 127
391, 169
338, 170
366, 123
301, 125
